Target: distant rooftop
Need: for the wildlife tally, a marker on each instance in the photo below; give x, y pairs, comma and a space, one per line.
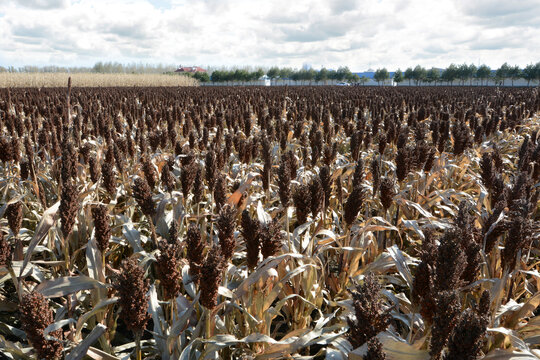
190, 69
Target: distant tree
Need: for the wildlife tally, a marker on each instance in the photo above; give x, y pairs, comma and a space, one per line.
216, 76
332, 75
463, 73
343, 73
483, 73
312, 73
239, 76
353, 78
433, 75
302, 76
257, 74
273, 72
503, 72
408, 75
398, 76
471, 72
529, 73
419, 74
514, 73
295, 75
226, 76
381, 75
285, 73
363, 80
202, 77
498, 79
450, 74
322, 75
98, 67
537, 72
309, 75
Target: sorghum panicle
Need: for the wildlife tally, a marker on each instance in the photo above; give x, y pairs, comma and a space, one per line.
132, 289
14, 216
220, 191
423, 284
302, 201
326, 182
100, 214
250, 233
447, 312
387, 192
358, 174
402, 163
375, 175
173, 232
167, 268
5, 251
108, 177
69, 162
375, 350
353, 205
198, 186
194, 251
271, 238
284, 182
187, 176
211, 277
69, 205
94, 169
167, 179
210, 169
370, 316
451, 262
149, 173
486, 170
143, 196
225, 225
35, 317
465, 342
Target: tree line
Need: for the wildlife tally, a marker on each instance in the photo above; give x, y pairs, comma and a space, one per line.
99, 67
281, 74
463, 74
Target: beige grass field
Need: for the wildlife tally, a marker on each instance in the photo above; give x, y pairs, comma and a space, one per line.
92, 80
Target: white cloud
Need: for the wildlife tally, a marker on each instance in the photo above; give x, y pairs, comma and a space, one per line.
359, 34
43, 4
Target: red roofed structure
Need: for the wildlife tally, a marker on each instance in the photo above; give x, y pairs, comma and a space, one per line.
190, 69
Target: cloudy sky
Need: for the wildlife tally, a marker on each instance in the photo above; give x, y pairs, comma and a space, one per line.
361, 34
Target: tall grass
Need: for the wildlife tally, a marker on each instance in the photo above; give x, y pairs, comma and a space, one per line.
92, 80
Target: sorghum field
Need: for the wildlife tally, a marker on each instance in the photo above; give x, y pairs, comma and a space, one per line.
270, 223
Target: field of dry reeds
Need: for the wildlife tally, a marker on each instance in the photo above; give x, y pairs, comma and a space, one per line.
270, 223
40, 79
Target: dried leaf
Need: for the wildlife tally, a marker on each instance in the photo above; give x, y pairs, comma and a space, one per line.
80, 351
47, 221
68, 285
